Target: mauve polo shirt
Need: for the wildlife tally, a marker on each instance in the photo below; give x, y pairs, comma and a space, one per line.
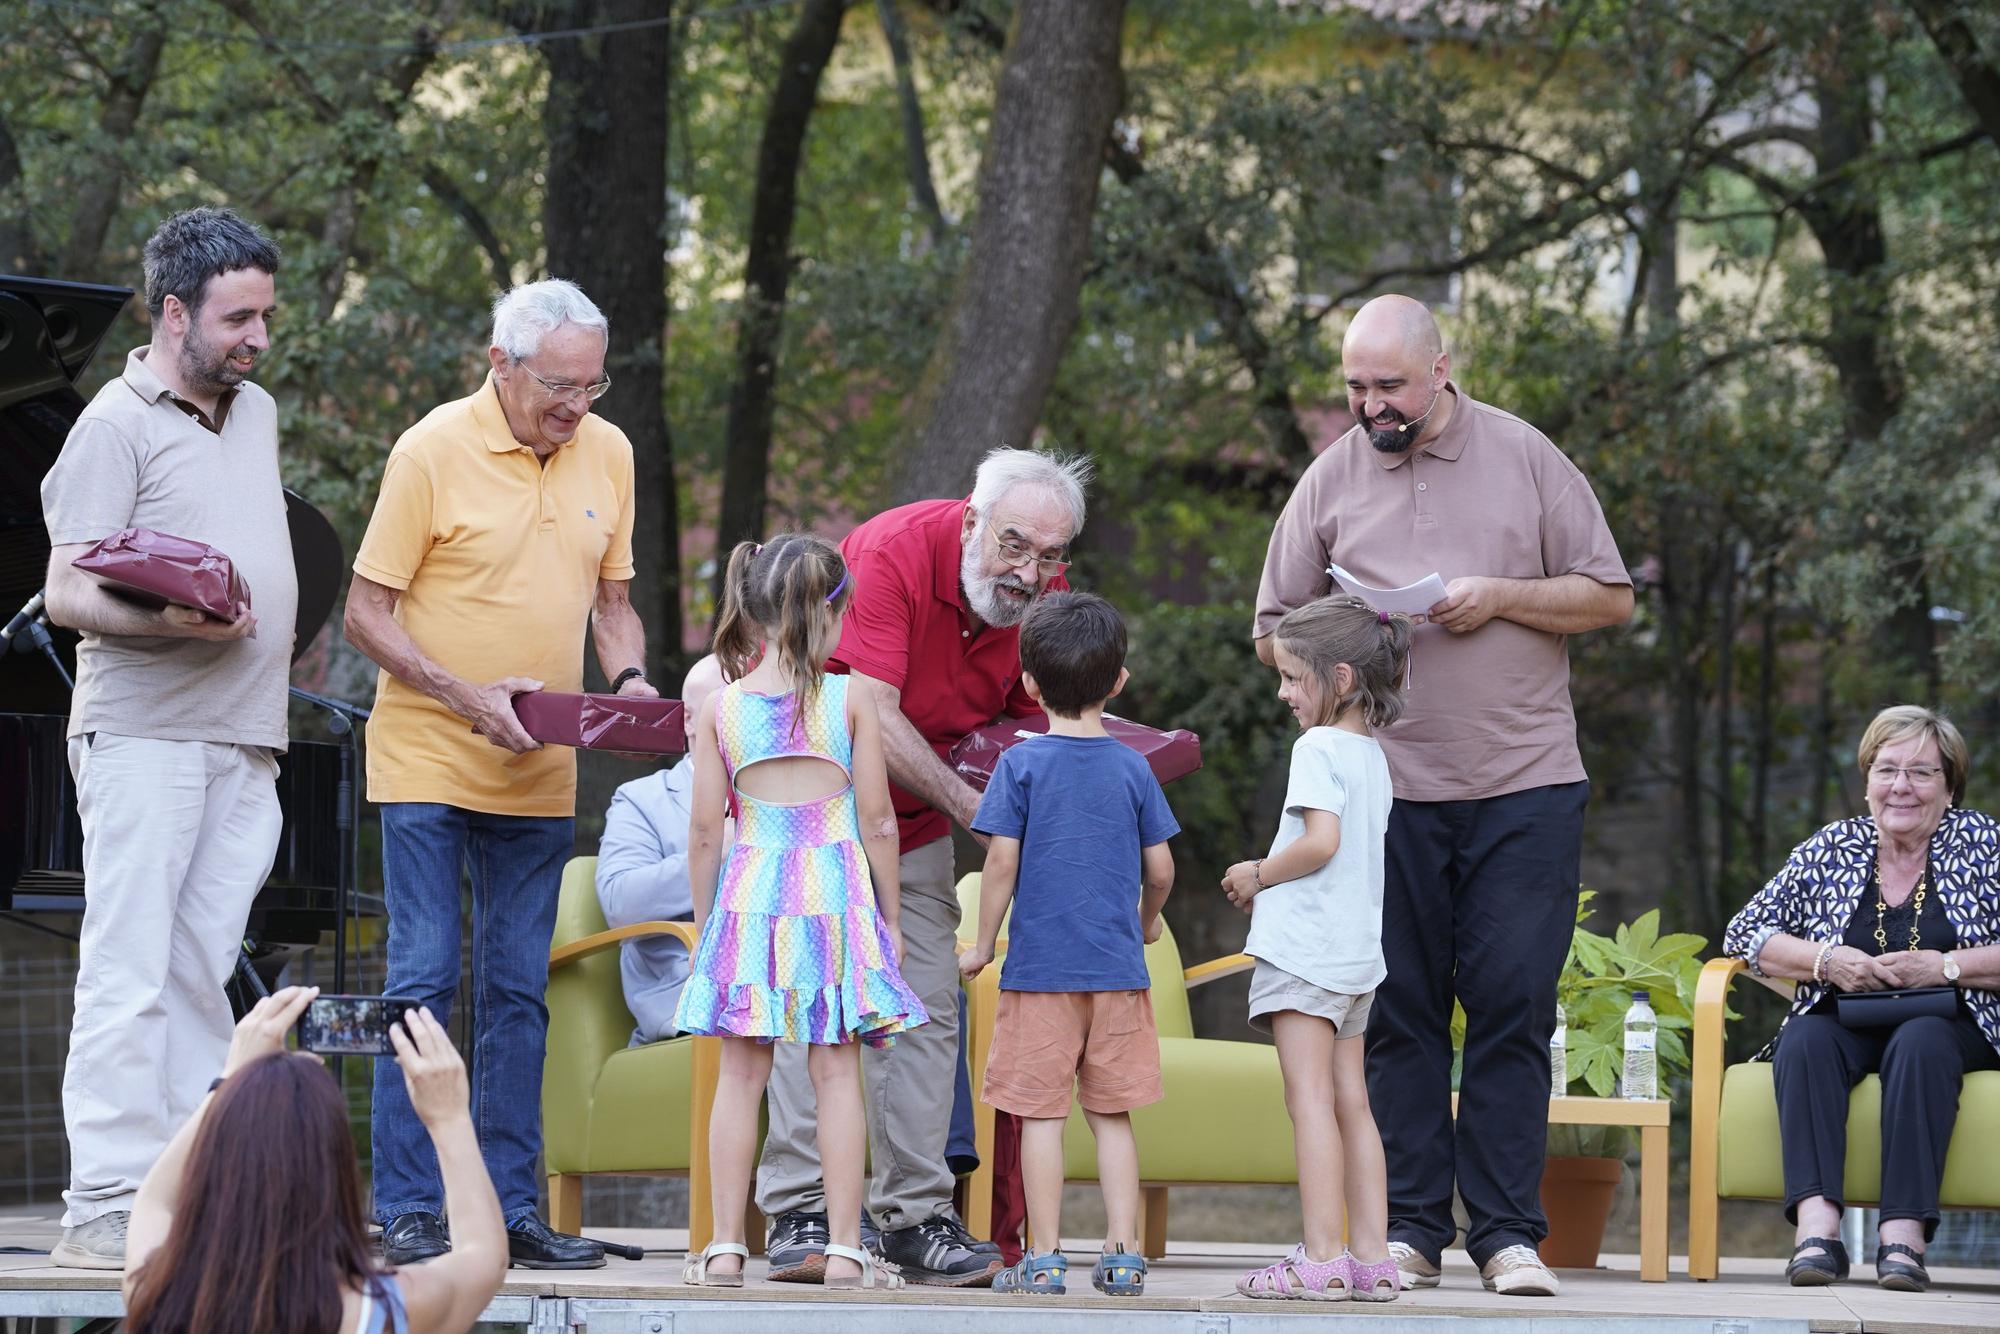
1488, 712
908, 625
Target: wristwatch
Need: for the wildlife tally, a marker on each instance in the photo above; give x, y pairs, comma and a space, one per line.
1950, 970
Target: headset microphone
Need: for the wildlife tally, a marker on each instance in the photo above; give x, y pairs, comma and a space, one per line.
1411, 426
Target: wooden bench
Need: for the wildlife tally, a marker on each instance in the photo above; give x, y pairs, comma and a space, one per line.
1651, 1117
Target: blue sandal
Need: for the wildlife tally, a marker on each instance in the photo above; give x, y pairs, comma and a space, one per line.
1119, 1273
1042, 1273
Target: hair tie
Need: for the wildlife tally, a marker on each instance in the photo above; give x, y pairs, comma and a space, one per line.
1382, 616
837, 587
757, 550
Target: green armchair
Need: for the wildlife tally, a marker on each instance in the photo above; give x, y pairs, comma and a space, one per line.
1734, 1148
609, 1109
1223, 1121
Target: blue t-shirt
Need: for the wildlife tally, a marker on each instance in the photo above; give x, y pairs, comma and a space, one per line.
1083, 808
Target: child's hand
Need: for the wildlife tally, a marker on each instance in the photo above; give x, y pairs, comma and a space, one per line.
973, 962
1153, 927
1239, 882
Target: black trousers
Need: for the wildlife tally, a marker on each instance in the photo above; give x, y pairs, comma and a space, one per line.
1922, 1063
1479, 903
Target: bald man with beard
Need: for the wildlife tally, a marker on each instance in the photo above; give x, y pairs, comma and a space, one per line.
1486, 832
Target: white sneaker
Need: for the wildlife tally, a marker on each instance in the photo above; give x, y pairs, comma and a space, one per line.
1517, 1271
1415, 1271
98, 1244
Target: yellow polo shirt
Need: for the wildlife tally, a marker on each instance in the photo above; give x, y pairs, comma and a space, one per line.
497, 557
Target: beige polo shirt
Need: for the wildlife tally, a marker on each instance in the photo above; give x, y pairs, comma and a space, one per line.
1488, 712
137, 459
497, 558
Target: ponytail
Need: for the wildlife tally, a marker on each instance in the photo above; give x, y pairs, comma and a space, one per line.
1375, 645
785, 593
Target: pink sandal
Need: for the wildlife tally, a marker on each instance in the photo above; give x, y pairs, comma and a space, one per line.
1366, 1282
1295, 1278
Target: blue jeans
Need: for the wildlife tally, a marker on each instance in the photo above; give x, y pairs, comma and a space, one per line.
516, 864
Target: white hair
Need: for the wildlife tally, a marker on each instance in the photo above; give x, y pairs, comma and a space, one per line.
1062, 476
522, 316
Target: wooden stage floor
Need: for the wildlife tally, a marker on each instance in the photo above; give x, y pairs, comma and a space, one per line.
1191, 1289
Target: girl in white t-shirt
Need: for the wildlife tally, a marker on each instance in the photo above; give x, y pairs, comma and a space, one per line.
1315, 905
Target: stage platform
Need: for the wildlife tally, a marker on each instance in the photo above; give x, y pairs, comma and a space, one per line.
1189, 1292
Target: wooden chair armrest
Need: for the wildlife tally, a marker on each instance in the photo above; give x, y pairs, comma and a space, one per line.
604, 940
1229, 965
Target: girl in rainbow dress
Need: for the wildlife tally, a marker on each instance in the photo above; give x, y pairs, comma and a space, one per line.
798, 935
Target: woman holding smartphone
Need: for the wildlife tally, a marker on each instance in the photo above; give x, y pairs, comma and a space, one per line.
252, 1222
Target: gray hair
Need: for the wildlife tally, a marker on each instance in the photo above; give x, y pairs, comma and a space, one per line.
522, 316
198, 244
1062, 476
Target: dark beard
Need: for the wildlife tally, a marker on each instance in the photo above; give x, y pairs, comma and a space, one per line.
203, 367
1391, 439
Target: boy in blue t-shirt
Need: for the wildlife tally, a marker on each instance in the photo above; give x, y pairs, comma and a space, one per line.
1079, 827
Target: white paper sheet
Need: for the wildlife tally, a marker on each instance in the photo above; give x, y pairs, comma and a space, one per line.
1411, 599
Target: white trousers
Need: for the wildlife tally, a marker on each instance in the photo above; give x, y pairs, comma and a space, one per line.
178, 836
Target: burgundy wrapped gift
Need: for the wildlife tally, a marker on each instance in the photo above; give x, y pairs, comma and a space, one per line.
157, 568
1171, 755
603, 722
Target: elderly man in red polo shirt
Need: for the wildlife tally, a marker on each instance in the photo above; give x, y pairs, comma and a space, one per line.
942, 586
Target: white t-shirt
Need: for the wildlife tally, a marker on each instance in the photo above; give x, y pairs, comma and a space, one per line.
1326, 927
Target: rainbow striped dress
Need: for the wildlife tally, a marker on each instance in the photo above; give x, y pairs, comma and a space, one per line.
793, 949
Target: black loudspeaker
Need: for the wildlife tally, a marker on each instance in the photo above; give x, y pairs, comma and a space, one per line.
49, 331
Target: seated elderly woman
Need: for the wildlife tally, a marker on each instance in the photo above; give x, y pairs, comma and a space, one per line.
1907, 896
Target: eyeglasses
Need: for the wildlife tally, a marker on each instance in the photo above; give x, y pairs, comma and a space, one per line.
560, 391
1016, 555
1920, 775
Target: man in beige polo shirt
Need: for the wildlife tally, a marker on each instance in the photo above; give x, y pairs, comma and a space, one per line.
1487, 828
177, 719
503, 534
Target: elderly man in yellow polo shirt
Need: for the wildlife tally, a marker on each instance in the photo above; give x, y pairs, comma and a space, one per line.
503, 528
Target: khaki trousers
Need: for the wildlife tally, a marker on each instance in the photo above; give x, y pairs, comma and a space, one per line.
908, 1087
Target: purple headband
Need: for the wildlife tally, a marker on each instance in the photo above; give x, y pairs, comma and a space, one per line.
837, 587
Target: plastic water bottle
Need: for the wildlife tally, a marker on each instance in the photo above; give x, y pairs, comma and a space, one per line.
1641, 1068
1559, 1055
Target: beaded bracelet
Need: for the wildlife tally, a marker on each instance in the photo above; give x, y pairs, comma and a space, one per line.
1819, 964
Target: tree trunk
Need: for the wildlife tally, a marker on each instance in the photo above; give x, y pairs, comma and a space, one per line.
1978, 80
97, 194
767, 272
916, 157
1846, 218
18, 251
604, 215
1003, 338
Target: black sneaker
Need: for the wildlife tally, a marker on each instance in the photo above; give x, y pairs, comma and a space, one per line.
796, 1247
940, 1253
871, 1236
963, 1236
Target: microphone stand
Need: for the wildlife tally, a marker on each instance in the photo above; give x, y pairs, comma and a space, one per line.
346, 819
35, 635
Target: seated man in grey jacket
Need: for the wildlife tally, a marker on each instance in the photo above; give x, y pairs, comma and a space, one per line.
642, 873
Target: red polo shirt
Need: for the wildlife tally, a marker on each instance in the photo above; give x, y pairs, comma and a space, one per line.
908, 625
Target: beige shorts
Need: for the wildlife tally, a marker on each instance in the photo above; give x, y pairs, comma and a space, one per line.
1272, 989
1099, 1046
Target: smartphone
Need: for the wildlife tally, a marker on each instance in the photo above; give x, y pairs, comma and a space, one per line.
351, 1025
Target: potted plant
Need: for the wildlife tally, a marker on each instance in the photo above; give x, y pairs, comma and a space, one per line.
1585, 1163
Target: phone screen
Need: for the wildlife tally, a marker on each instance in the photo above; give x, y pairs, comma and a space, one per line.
351, 1025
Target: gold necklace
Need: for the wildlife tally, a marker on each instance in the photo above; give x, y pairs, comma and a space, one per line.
1882, 906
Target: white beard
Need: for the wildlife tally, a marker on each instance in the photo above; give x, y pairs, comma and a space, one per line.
983, 593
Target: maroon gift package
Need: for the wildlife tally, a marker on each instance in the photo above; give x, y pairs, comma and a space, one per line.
1171, 755
158, 568
603, 722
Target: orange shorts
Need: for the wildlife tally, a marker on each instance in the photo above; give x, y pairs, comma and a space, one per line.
1099, 1045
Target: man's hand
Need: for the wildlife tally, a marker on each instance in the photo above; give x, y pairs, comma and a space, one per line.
639, 687
1912, 968
261, 1032
1468, 604
973, 962
433, 1072
1239, 882
187, 623
1153, 928
490, 710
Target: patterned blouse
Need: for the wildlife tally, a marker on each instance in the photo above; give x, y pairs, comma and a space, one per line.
1817, 891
